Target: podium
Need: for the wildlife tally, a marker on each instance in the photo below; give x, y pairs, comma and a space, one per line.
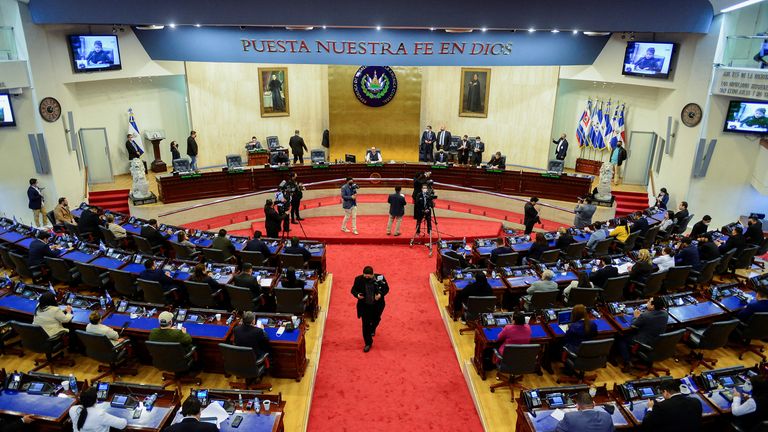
258, 157
157, 165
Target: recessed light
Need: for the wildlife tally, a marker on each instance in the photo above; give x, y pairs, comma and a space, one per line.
431, 29
484, 29
172, 25
740, 5
531, 30
575, 32
378, 27
555, 31
197, 25
324, 27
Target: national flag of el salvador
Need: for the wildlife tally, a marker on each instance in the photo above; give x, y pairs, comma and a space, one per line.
133, 129
583, 126
608, 131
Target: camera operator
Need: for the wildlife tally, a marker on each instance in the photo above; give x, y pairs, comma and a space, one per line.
349, 204
272, 219
296, 190
283, 203
584, 211
369, 289
420, 180
424, 204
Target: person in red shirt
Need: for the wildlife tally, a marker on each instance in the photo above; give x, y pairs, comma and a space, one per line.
516, 333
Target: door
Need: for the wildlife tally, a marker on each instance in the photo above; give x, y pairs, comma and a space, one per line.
639, 158
96, 155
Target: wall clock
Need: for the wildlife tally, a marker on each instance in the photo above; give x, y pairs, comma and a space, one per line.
50, 109
691, 114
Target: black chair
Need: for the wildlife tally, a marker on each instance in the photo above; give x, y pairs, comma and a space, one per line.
175, 361
725, 262
652, 285
613, 290
182, 252
92, 276
144, 246
762, 250
201, 295
35, 273
754, 329
241, 299
744, 259
549, 256
113, 357
602, 247
582, 295
72, 229
540, 300
664, 348
109, 237
5, 258
676, 279
447, 265
575, 251
711, 338
217, 255
506, 260
291, 300
243, 363
291, 260
51, 217
255, 258
35, 339
125, 284
591, 355
700, 278
474, 308
62, 272
153, 291
517, 360
629, 244
649, 238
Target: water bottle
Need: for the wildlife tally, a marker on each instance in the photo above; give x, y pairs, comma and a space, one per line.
715, 293
72, 384
240, 400
149, 401
102, 302
256, 405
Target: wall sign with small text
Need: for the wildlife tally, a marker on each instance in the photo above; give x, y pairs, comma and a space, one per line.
741, 82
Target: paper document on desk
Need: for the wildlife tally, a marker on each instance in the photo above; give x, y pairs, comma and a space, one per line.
213, 410
265, 282
557, 414
563, 327
624, 268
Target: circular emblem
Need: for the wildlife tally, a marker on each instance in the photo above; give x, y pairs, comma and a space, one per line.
374, 86
50, 109
691, 114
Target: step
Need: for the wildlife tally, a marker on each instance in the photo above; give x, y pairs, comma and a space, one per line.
110, 203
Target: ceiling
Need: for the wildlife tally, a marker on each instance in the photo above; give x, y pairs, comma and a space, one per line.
684, 16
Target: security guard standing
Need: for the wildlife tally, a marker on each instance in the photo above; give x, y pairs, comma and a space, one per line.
369, 289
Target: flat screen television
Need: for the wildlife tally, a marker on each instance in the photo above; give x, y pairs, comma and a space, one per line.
746, 117
94, 53
648, 59
7, 118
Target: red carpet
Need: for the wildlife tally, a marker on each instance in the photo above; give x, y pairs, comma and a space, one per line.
410, 380
629, 202
115, 200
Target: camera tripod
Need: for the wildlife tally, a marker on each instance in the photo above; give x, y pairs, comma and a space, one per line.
422, 236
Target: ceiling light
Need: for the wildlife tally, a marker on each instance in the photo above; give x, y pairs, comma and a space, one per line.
172, 25
458, 30
575, 32
555, 31
531, 30
740, 5
150, 27
594, 33
484, 29
378, 27
299, 27
197, 25
431, 29
324, 27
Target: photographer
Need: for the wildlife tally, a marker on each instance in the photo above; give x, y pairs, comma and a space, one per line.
369, 289
296, 191
420, 180
584, 211
272, 219
423, 207
349, 204
283, 202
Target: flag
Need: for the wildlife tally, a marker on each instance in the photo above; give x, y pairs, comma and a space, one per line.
594, 123
597, 132
615, 126
583, 127
619, 133
608, 129
133, 129
50, 287
102, 246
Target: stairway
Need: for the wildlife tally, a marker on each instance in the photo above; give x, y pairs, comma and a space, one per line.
115, 200
628, 202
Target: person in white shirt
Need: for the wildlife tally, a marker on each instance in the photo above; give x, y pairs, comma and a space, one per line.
49, 316
581, 282
87, 417
665, 261
668, 222
373, 156
750, 411
116, 229
95, 326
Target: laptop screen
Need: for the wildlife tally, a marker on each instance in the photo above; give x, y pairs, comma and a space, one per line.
564, 317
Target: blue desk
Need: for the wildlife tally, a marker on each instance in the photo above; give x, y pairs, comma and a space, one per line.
78, 256
25, 242
567, 277
602, 326
537, 332
287, 336
12, 236
495, 283
624, 320
49, 407
149, 419
485, 250
721, 403
251, 422
201, 242
308, 284
106, 262
134, 268
18, 303
76, 212
695, 312
640, 408
80, 316
117, 320
731, 303
544, 422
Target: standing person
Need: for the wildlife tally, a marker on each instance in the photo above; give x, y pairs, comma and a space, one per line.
369, 289
396, 210
443, 138
423, 206
87, 417
531, 216
676, 413
276, 89
272, 219
283, 203
134, 151
477, 151
561, 148
584, 211
618, 156
297, 193
463, 150
425, 146
586, 418
192, 150
662, 199
175, 154
61, 213
296, 143
349, 204
36, 203
418, 181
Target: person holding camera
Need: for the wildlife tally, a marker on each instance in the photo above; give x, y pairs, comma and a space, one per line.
273, 219
349, 204
584, 211
369, 289
296, 192
423, 207
283, 204
418, 181
531, 216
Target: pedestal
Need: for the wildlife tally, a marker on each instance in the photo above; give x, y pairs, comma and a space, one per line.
588, 166
258, 158
157, 165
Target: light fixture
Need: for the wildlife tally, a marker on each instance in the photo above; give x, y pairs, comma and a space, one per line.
431, 29
555, 31
324, 27
458, 30
575, 32
299, 27
150, 27
740, 5
197, 25
378, 27
594, 33
484, 29
172, 25
531, 30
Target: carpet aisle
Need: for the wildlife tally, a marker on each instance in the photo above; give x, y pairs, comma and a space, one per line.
411, 379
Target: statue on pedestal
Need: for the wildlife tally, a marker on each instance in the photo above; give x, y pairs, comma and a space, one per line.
140, 188
604, 188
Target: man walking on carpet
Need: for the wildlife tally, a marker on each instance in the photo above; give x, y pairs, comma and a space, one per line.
369, 289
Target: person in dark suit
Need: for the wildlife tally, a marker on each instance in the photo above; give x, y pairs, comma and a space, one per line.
606, 271
397, 204
296, 143
175, 153
89, 222
16, 424
735, 241
539, 246
759, 304
454, 253
501, 250
662, 199
272, 219
531, 216
370, 289
256, 244
36, 203
564, 239
152, 234
39, 249
263, 297
190, 409
248, 335
640, 224
223, 243
707, 248
291, 281
297, 193
463, 150
419, 181
441, 157
587, 418
754, 234
443, 139
561, 148
580, 329
497, 161
680, 217
477, 151
701, 227
676, 413
426, 145
192, 150
294, 248
688, 255
646, 327
152, 273
479, 288
642, 268
134, 151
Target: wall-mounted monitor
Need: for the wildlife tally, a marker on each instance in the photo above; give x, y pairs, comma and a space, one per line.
7, 118
746, 117
94, 53
649, 59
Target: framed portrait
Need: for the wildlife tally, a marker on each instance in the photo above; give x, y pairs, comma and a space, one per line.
475, 87
273, 83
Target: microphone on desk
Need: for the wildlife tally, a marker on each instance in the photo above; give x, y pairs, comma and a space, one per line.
609, 408
631, 405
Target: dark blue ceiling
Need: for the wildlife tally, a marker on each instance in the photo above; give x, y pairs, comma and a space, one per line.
684, 16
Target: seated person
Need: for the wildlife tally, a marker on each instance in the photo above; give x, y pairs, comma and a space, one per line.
754, 234
454, 253
183, 240
294, 248
701, 227
515, 333
116, 230
202, 275
245, 279
582, 282
281, 158
668, 223
247, 334
95, 326
291, 281
759, 304
89, 416
648, 62
586, 417
750, 411
665, 260
152, 273
39, 249
49, 316
662, 199
253, 144
89, 222
677, 412
735, 241
599, 232
479, 288
606, 271
191, 409
681, 216
707, 248
564, 239
497, 161
580, 329
223, 243
152, 234
167, 333
441, 157
688, 255
544, 284
373, 156
501, 250
621, 232
646, 326
256, 244
640, 224
539, 246
61, 213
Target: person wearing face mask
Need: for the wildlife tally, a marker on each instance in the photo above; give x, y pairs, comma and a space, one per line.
370, 289
423, 205
349, 204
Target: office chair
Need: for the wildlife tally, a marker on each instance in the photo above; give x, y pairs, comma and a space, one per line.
582, 295
711, 338
35, 339
754, 329
182, 252
5, 259
725, 262
144, 246
109, 237
113, 358
201, 295
474, 308
575, 251
255, 258
175, 361
124, 283
591, 355
92, 276
517, 360
62, 272
744, 260
316, 155
602, 247
243, 363
652, 285
35, 273
154, 293
540, 300
629, 244
676, 279
241, 299
217, 255
506, 260
613, 290
705, 275
447, 265
291, 260
548, 257
291, 300
648, 240
761, 250
663, 349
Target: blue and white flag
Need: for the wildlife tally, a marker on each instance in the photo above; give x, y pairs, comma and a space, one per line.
50, 287
582, 128
608, 129
102, 246
594, 124
133, 129
597, 130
